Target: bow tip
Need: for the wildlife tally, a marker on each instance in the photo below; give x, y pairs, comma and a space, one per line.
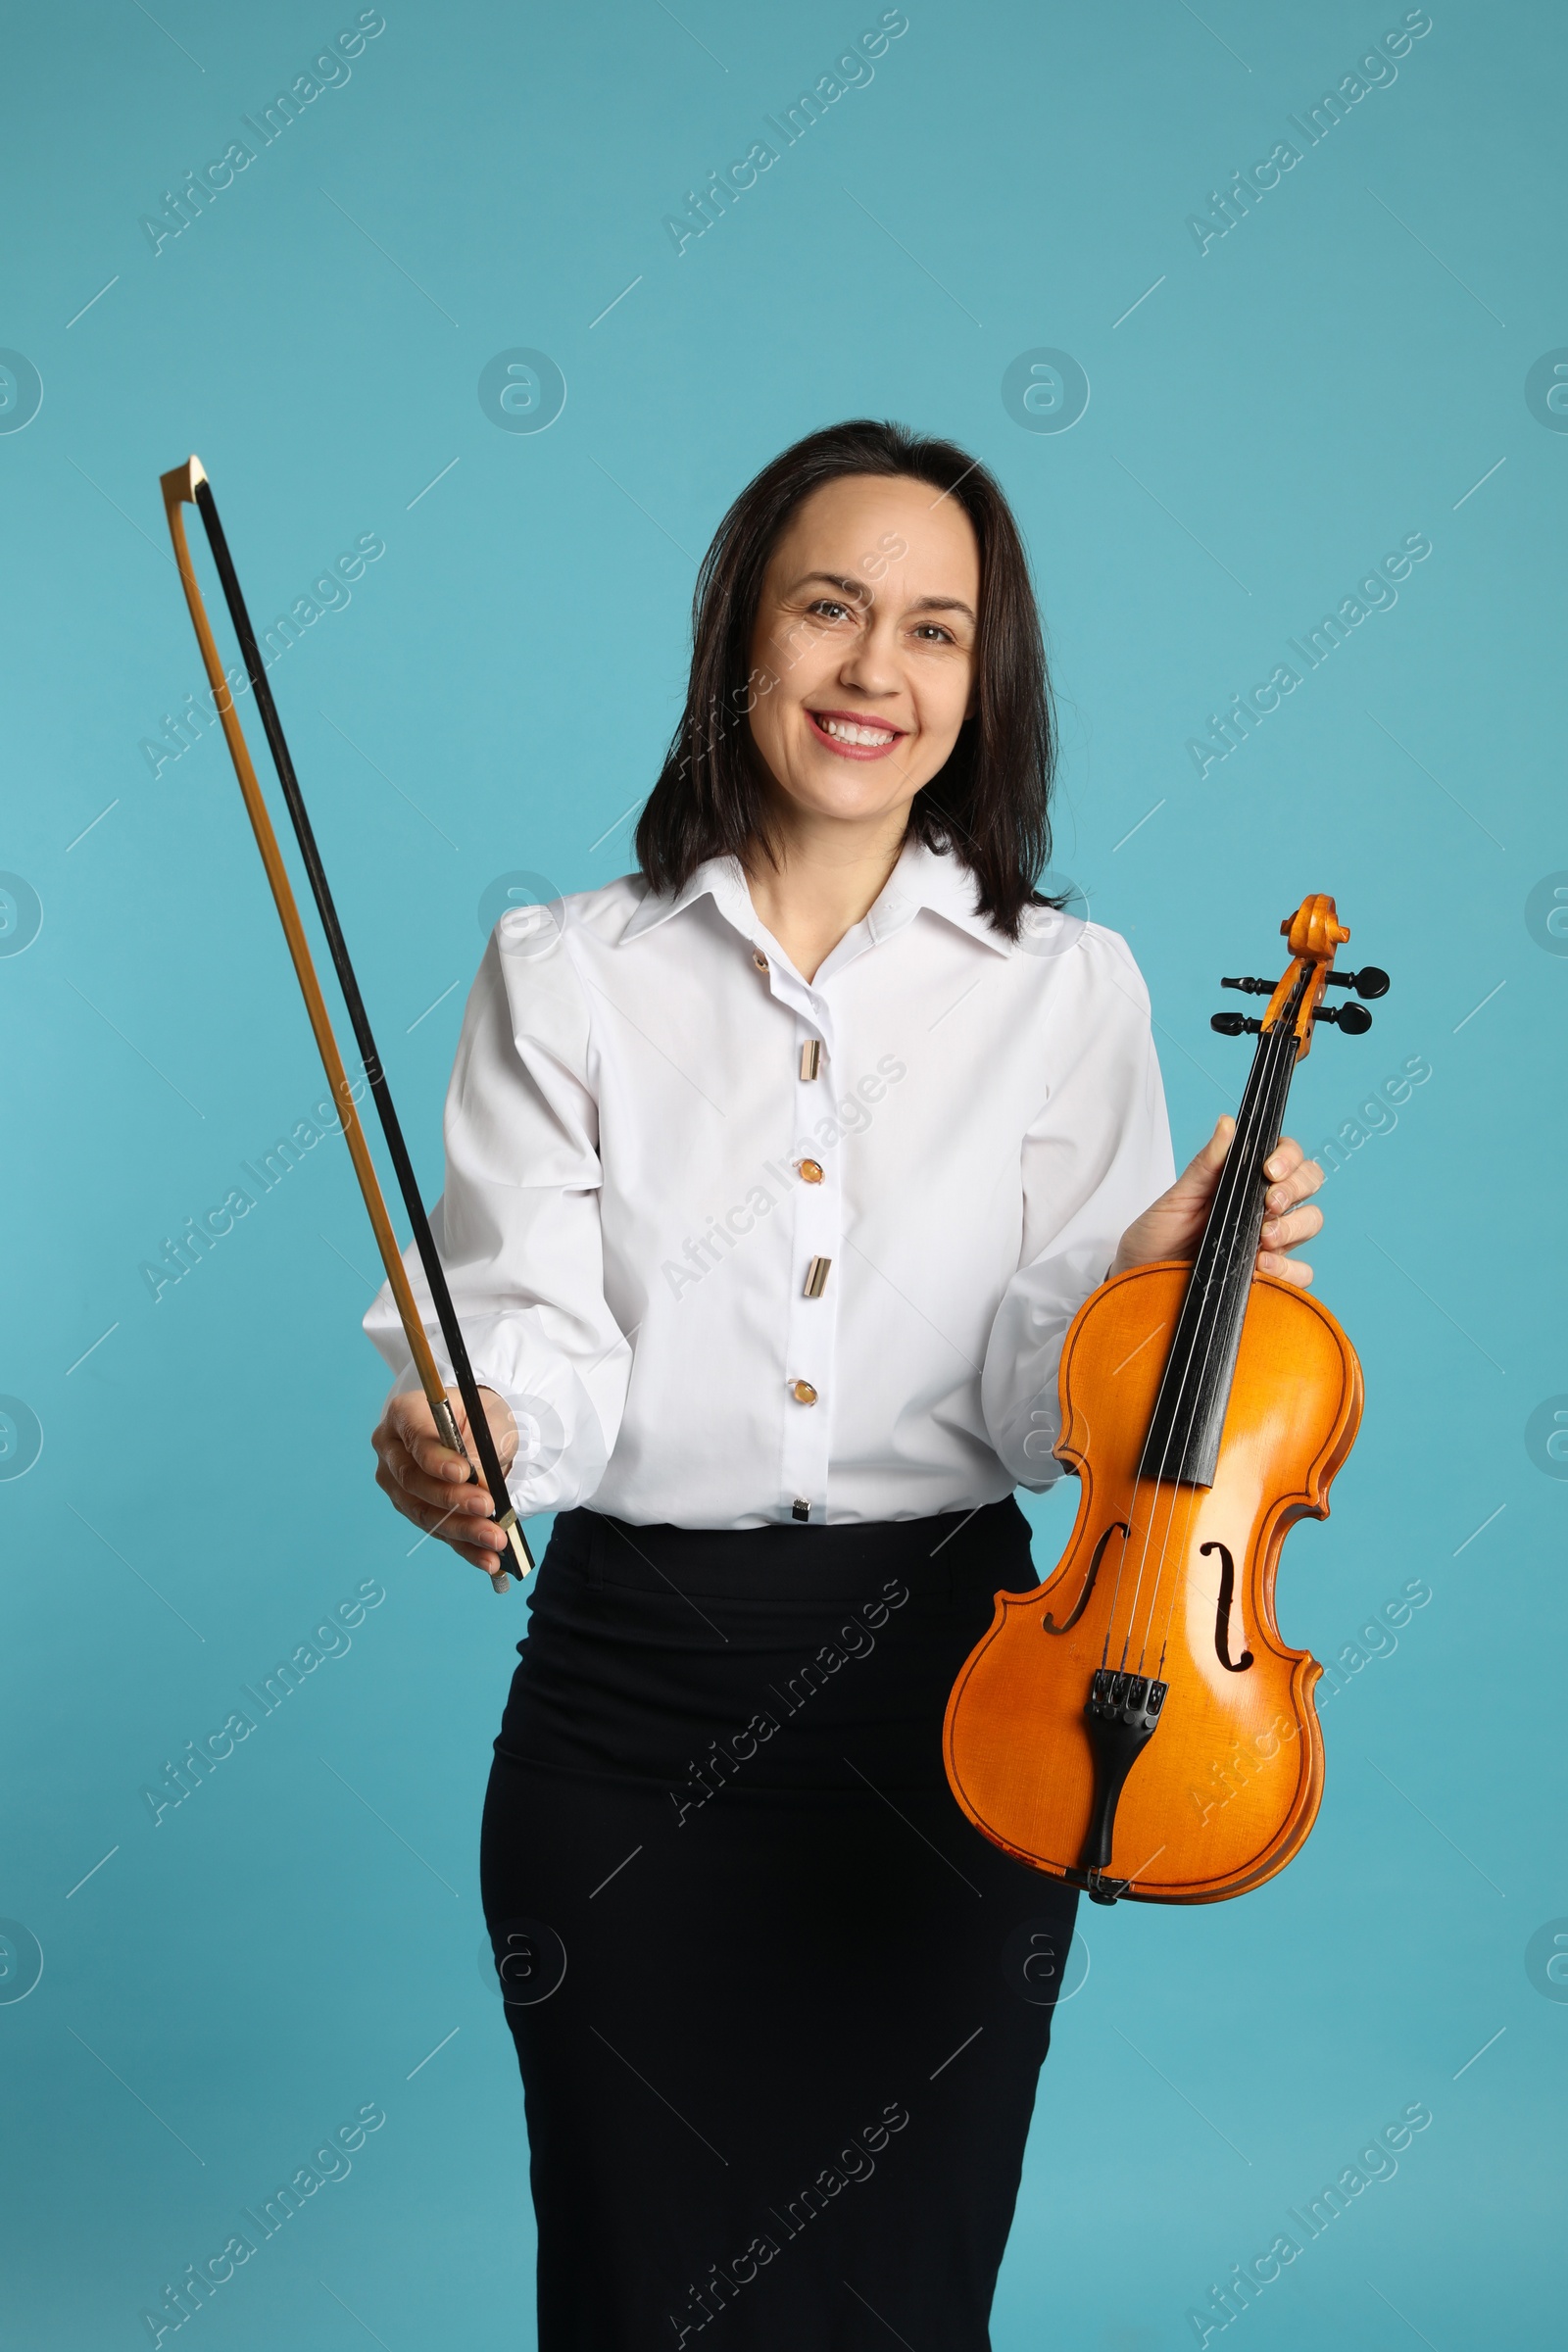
181, 485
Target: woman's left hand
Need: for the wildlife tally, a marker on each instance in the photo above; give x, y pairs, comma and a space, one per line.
1173, 1226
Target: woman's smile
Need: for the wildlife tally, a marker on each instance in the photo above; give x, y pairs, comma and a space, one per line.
854, 738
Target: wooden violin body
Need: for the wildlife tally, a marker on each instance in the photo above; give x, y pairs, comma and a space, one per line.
1136, 1725
1241, 1753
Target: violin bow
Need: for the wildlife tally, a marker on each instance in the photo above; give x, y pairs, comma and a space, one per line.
188, 485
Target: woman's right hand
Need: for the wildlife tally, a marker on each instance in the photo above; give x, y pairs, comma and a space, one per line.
430, 1485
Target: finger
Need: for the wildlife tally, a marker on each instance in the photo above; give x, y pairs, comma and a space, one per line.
459, 1505
410, 1420
438, 1460
1201, 1171
410, 1415
394, 1459
486, 1560
1289, 1269
399, 1490
1298, 1187
1284, 1233
479, 1544
435, 1493
1285, 1155
1302, 1178
1211, 1159
394, 1493
464, 1521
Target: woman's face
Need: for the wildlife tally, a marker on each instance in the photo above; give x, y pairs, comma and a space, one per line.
864, 652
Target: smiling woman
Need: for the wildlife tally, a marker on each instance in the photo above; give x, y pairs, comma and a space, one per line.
933, 634
835, 1404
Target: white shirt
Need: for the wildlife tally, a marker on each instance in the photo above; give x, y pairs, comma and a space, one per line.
627, 1230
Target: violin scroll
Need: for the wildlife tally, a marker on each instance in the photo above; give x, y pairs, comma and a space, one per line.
1313, 934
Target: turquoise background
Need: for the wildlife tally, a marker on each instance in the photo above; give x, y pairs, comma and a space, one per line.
1340, 371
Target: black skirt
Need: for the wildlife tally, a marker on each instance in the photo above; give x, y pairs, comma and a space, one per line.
779, 2009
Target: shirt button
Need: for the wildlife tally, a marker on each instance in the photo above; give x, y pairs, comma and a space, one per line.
760, 959
803, 1392
811, 1171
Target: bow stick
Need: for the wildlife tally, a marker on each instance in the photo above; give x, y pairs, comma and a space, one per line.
187, 485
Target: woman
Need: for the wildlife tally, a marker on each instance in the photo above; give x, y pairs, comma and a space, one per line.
774, 1177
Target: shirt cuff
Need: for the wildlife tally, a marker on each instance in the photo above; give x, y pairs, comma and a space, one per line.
541, 1478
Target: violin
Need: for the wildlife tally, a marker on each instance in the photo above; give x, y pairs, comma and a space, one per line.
1136, 1725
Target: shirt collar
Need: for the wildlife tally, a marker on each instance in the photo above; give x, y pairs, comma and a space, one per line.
926, 879
719, 878
935, 881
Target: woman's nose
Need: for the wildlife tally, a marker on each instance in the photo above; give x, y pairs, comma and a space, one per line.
871, 663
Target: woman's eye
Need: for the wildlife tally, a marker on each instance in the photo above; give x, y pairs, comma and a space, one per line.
934, 633
828, 609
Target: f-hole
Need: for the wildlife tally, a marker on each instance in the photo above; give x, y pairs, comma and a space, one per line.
1222, 1611
1089, 1580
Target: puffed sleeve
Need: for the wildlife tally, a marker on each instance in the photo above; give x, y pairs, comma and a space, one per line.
517, 1225
1094, 1157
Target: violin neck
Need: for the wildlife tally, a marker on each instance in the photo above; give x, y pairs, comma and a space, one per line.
1189, 1416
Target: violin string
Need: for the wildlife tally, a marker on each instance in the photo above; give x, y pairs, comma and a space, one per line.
1274, 1086
1195, 1498
1271, 1111
1116, 1592
1280, 1092
1244, 1145
1224, 1192
1228, 1221
1230, 1185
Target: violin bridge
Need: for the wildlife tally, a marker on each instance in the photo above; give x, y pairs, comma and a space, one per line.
1123, 1713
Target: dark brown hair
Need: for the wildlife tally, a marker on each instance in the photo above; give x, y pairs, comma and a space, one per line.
988, 804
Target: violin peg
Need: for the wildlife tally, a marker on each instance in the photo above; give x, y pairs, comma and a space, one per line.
1353, 1019
1369, 981
1251, 988
1233, 1024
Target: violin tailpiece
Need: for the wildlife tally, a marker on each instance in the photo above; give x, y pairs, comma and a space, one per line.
1122, 1712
